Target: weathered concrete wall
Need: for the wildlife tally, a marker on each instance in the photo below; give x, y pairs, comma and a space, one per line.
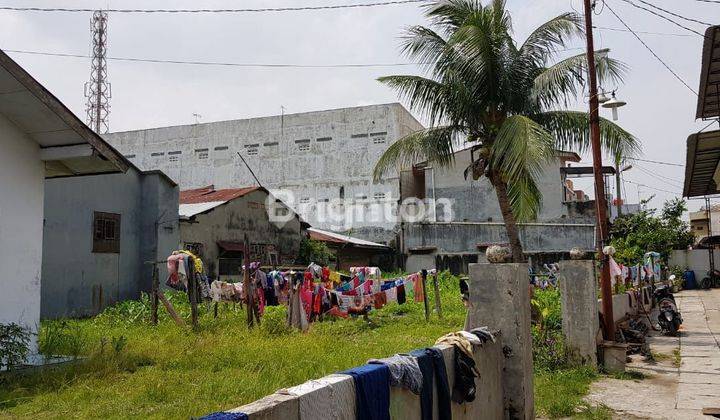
21, 217
333, 396
580, 324
79, 282
625, 305
313, 154
697, 260
231, 221
500, 299
464, 237
476, 201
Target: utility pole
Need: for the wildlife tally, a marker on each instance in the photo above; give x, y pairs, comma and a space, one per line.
618, 186
98, 91
600, 198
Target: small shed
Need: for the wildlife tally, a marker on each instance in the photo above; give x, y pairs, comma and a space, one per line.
353, 252
40, 138
214, 222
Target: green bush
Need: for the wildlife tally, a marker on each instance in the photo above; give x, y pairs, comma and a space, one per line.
14, 341
274, 321
61, 338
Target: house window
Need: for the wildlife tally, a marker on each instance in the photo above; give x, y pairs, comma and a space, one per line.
305, 200
358, 136
303, 147
342, 191
129, 156
157, 154
195, 247
379, 196
106, 233
322, 139
174, 158
379, 140
201, 154
221, 147
252, 149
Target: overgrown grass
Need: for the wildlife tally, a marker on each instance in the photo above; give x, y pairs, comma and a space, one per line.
560, 393
135, 370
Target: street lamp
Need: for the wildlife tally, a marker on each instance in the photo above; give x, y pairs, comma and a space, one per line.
614, 103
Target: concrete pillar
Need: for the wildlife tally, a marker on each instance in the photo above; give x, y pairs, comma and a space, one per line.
579, 310
500, 299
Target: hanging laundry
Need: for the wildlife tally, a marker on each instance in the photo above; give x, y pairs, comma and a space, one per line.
404, 371
432, 366
391, 295
465, 371
225, 415
372, 391
484, 334
380, 300
196, 260
401, 294
418, 289
334, 277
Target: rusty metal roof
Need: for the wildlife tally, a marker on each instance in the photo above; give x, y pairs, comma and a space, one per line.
709, 93
209, 194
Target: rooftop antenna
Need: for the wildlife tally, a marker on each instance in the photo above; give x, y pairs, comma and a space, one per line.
197, 117
98, 90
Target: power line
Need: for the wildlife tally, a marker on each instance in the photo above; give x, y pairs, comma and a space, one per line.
652, 188
217, 63
656, 161
260, 10
709, 1
651, 51
674, 14
604, 28
673, 182
662, 17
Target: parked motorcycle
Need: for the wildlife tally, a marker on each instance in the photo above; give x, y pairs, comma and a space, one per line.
669, 316
711, 280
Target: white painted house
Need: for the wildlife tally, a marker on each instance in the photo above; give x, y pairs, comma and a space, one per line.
40, 138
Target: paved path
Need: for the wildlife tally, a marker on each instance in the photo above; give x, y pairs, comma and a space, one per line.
673, 391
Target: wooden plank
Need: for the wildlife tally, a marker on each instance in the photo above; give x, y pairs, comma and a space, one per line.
170, 308
438, 307
423, 274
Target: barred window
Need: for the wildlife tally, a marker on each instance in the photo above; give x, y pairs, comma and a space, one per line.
106, 233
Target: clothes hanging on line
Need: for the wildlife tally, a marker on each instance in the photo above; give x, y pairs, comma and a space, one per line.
372, 391
404, 371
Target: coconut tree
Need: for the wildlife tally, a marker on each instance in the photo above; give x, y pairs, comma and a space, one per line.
505, 99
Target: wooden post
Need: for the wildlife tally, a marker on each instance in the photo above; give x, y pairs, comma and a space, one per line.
423, 273
215, 310
154, 296
192, 291
170, 308
246, 283
438, 308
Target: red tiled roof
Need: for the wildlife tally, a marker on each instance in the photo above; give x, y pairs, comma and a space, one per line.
318, 236
209, 194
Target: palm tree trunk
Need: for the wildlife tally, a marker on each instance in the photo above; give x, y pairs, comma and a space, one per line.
511, 227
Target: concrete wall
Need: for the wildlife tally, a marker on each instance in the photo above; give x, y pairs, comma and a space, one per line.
580, 325
697, 260
231, 221
21, 235
269, 146
462, 237
500, 299
79, 282
476, 201
624, 305
333, 396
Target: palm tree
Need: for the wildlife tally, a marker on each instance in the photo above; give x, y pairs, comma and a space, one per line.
504, 99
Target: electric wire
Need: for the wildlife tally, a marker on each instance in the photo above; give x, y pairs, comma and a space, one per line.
673, 182
674, 14
651, 51
605, 28
259, 10
652, 188
217, 63
656, 161
709, 1
662, 17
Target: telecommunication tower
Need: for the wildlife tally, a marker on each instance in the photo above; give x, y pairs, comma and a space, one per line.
98, 91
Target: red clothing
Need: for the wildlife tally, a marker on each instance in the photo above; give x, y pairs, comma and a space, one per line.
325, 274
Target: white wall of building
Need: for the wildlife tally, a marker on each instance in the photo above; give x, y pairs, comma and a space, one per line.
313, 154
21, 227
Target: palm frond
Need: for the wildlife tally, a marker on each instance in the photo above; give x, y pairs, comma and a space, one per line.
451, 14
551, 36
431, 144
519, 154
424, 95
571, 130
525, 198
561, 82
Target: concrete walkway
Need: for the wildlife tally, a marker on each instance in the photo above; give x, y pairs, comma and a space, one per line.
684, 379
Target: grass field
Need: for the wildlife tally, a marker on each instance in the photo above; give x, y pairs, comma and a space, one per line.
134, 370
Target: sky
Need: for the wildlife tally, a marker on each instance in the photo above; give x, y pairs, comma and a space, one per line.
660, 110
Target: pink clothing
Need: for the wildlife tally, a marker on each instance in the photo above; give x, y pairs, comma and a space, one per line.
615, 269
172, 267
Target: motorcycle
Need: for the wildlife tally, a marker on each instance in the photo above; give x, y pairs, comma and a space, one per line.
711, 280
669, 316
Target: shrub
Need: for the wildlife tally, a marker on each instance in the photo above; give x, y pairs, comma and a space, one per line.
59, 338
14, 344
274, 321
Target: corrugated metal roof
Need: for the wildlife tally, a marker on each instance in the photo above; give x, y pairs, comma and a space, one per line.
209, 194
325, 236
189, 210
703, 157
709, 97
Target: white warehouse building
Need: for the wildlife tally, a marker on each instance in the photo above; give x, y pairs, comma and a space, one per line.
317, 156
